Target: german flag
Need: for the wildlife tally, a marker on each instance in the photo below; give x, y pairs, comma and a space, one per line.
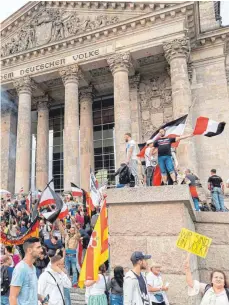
33, 231
97, 251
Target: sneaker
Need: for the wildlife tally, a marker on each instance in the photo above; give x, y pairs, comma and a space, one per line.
175, 183
75, 286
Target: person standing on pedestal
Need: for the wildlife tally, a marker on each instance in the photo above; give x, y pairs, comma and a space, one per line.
216, 186
131, 156
164, 155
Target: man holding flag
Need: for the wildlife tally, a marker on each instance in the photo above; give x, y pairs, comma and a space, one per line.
163, 144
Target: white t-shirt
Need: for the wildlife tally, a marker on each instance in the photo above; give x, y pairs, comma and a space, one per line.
131, 144
99, 287
209, 298
155, 282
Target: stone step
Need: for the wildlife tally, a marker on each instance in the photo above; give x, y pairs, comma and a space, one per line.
77, 296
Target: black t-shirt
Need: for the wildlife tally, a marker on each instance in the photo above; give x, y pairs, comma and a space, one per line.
164, 146
143, 289
215, 181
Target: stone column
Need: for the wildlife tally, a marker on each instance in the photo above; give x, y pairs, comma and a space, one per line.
8, 143
119, 64
70, 76
135, 108
42, 151
86, 137
23, 152
177, 53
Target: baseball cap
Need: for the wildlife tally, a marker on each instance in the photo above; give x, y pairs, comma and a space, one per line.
137, 256
149, 142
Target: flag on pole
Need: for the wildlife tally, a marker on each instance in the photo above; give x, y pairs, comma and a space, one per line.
173, 129
209, 128
60, 210
47, 197
76, 191
94, 190
28, 202
97, 251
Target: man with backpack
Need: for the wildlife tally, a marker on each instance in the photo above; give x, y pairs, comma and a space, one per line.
6, 276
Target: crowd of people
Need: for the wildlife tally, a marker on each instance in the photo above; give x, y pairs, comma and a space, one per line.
60, 245
160, 152
44, 269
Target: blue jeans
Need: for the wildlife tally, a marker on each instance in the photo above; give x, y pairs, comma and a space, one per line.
218, 199
67, 297
71, 262
116, 299
165, 162
196, 204
5, 300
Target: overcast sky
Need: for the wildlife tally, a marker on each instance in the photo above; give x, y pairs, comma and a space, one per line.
11, 6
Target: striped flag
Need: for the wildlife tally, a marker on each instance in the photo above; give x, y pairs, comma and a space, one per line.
208, 128
28, 202
94, 190
98, 250
173, 129
47, 197
21, 190
60, 210
76, 191
32, 231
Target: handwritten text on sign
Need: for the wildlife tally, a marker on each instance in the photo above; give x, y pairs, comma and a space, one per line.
193, 242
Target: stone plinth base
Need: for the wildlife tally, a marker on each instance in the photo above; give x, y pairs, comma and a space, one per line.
150, 219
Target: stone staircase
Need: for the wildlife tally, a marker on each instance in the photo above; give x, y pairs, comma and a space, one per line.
77, 296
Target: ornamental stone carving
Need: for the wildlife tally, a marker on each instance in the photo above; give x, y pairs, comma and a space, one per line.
42, 102
119, 61
155, 103
176, 48
70, 73
51, 25
134, 81
24, 85
86, 94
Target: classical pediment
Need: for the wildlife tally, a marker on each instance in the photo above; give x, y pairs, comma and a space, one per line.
53, 21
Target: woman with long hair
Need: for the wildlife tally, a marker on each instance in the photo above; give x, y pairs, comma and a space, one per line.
96, 290
215, 293
116, 297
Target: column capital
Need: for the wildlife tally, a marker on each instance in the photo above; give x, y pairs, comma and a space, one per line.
24, 85
70, 74
42, 102
134, 81
119, 62
86, 94
176, 48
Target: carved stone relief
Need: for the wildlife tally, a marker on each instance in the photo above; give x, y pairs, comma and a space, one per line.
155, 103
52, 25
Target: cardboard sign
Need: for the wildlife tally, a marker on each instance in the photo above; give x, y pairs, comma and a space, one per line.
193, 242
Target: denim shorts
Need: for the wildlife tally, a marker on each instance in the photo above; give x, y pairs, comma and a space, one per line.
165, 164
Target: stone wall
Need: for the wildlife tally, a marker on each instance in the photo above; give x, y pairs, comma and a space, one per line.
207, 16
210, 96
151, 221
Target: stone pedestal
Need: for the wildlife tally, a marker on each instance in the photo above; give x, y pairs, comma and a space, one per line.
42, 153
70, 75
8, 145
150, 222
86, 137
119, 64
23, 152
176, 53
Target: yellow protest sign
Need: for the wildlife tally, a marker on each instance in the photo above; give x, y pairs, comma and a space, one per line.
193, 242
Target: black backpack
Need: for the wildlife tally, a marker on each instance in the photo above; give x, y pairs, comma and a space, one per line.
210, 286
5, 280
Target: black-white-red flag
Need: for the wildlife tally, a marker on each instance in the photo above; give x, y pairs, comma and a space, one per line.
209, 128
173, 129
76, 191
